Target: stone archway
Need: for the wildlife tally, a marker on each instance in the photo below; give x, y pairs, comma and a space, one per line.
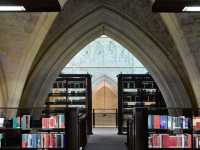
3, 88
105, 21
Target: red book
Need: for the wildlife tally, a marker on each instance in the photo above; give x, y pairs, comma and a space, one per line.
24, 144
156, 121
172, 142
189, 141
154, 140
45, 122
46, 140
52, 122
165, 141
62, 125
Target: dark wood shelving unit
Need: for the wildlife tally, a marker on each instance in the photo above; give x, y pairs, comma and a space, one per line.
74, 131
135, 90
180, 123
73, 90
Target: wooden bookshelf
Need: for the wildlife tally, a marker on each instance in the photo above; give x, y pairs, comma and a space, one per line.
164, 128
73, 91
135, 90
61, 130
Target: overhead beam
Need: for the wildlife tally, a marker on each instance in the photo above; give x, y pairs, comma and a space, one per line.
176, 6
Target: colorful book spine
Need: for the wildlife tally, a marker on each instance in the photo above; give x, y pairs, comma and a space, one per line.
150, 123
169, 122
16, 122
163, 122
57, 121
23, 122
156, 121
61, 121
170, 141
196, 123
43, 140
1, 137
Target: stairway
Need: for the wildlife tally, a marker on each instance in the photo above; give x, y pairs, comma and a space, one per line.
106, 139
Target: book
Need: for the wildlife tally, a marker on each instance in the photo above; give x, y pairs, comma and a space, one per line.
150, 123
25, 121
2, 122
16, 122
156, 121
61, 121
163, 122
53, 122
1, 137
169, 122
196, 140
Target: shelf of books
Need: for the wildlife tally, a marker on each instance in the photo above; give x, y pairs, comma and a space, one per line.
162, 128
73, 91
168, 131
48, 131
135, 90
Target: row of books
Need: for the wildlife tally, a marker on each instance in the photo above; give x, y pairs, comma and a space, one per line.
135, 98
60, 84
196, 123
57, 121
196, 140
76, 92
132, 84
43, 140
23, 122
168, 122
58, 90
76, 84
129, 85
170, 141
148, 84
57, 99
71, 84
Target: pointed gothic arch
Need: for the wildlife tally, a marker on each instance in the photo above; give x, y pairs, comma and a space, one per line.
105, 21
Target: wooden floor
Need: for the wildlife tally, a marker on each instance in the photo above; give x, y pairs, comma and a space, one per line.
106, 139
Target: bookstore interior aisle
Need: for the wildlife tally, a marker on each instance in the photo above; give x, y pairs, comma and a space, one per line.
106, 139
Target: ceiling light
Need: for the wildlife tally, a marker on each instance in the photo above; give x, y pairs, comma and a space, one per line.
191, 9
30, 5
12, 8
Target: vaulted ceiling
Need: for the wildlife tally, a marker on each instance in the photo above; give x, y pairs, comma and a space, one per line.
33, 45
